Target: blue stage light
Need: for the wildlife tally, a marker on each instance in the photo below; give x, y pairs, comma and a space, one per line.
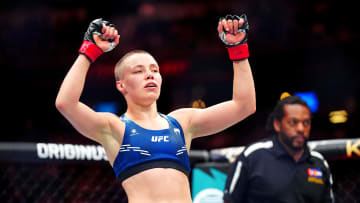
111, 107
310, 98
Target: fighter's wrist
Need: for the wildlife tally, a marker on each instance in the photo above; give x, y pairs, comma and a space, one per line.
239, 52
90, 50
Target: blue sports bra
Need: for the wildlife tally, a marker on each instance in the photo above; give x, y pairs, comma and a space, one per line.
144, 149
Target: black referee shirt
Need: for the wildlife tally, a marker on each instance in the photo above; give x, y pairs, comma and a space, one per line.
265, 172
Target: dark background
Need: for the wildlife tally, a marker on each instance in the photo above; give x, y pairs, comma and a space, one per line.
294, 46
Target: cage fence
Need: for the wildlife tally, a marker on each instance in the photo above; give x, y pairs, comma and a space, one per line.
26, 178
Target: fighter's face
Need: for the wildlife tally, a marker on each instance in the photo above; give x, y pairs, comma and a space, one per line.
142, 79
294, 128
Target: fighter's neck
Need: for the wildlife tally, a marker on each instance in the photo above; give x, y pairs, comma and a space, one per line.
142, 112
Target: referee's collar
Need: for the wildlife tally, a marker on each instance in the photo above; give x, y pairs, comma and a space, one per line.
280, 150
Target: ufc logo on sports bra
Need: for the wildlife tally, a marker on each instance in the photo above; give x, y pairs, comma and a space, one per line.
160, 139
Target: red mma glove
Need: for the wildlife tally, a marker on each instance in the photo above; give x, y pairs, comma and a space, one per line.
89, 47
237, 50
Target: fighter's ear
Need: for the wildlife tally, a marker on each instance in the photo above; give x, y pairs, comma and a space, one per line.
120, 86
276, 125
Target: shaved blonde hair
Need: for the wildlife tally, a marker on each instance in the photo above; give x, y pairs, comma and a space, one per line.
120, 66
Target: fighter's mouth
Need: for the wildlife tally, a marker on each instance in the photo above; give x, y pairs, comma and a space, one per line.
150, 85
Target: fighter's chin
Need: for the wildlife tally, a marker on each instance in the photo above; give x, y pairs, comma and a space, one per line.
149, 99
154, 96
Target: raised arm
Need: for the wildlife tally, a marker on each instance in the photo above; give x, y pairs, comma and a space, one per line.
84, 119
211, 120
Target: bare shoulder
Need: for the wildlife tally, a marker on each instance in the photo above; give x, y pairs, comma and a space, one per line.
111, 116
183, 115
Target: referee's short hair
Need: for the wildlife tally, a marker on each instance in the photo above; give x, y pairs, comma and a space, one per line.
278, 111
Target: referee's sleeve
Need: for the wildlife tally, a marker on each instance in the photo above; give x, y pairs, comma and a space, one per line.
329, 194
236, 182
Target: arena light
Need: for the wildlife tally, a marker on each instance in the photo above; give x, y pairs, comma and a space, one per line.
111, 107
284, 95
200, 104
336, 117
310, 98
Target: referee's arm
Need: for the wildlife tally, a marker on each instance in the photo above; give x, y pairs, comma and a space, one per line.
236, 182
329, 194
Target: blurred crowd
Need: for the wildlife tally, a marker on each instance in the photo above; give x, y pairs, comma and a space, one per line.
294, 46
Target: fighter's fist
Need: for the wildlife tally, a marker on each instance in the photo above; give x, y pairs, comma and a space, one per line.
101, 36
108, 39
233, 31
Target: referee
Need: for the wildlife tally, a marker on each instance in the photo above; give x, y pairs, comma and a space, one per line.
281, 168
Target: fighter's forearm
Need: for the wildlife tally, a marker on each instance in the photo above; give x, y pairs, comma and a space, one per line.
243, 86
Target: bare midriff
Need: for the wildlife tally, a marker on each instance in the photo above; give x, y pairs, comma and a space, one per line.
158, 185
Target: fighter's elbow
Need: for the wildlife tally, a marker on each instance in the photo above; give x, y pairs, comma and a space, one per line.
247, 108
61, 105
251, 104
252, 109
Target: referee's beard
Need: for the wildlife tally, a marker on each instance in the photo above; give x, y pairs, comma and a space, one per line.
289, 141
